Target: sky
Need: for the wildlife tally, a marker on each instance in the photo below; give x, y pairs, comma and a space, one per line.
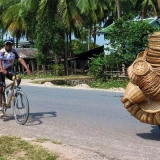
100, 40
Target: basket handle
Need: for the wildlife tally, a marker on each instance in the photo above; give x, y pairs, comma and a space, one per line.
144, 53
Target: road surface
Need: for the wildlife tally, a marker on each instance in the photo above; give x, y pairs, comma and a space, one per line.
92, 120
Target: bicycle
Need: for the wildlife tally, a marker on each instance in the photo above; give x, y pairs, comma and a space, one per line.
20, 101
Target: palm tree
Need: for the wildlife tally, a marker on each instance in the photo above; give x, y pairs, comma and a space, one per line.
118, 8
146, 6
12, 20
158, 3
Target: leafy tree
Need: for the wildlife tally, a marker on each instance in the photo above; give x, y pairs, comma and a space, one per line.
127, 39
97, 66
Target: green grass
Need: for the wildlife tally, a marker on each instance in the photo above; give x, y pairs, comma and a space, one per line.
111, 83
42, 140
16, 148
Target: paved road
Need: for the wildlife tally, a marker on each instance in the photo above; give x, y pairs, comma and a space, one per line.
91, 119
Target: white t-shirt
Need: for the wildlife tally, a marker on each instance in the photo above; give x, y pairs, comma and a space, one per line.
8, 57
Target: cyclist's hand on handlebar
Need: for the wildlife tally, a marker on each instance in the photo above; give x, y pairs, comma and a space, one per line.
4, 71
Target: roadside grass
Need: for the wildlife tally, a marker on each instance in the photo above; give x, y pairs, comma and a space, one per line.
15, 148
42, 140
111, 83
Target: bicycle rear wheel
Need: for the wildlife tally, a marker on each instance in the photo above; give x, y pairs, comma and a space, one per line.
21, 108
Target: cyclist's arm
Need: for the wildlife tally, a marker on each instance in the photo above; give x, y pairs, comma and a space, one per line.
1, 68
24, 65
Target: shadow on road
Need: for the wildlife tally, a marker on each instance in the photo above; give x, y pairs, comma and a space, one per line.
33, 119
36, 118
153, 135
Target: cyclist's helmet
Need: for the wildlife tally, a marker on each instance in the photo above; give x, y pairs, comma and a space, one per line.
8, 41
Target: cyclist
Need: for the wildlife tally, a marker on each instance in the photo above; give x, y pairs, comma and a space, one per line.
7, 56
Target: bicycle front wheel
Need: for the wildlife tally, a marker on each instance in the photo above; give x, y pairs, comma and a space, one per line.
21, 108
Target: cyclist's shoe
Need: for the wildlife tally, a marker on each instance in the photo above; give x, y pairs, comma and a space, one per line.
1, 112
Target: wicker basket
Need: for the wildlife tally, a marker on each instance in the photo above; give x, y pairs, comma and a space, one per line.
157, 70
128, 104
134, 94
142, 55
150, 119
157, 118
134, 109
150, 106
155, 34
135, 79
150, 85
156, 98
124, 99
153, 53
153, 60
155, 47
141, 67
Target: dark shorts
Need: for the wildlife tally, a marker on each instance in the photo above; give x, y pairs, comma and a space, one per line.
2, 77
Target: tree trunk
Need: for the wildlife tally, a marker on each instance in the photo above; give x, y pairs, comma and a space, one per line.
89, 38
158, 3
66, 57
143, 13
94, 35
118, 8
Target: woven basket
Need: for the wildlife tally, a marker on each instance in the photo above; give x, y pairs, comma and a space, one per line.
157, 118
153, 60
142, 55
150, 119
154, 39
154, 48
150, 106
153, 53
148, 79
141, 67
135, 79
124, 99
128, 104
134, 94
155, 34
157, 70
156, 98
150, 85
134, 109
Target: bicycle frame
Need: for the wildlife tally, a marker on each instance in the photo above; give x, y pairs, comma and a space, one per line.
20, 101
12, 86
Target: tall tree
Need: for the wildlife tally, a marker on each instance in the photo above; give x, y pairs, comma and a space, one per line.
118, 8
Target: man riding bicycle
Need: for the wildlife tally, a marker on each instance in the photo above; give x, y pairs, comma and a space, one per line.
7, 57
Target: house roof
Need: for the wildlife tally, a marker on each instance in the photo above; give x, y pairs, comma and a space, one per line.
91, 53
27, 53
154, 21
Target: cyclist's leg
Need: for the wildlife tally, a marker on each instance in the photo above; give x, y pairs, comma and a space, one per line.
2, 80
11, 76
18, 80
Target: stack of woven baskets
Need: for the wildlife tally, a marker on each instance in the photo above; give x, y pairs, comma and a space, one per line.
142, 94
